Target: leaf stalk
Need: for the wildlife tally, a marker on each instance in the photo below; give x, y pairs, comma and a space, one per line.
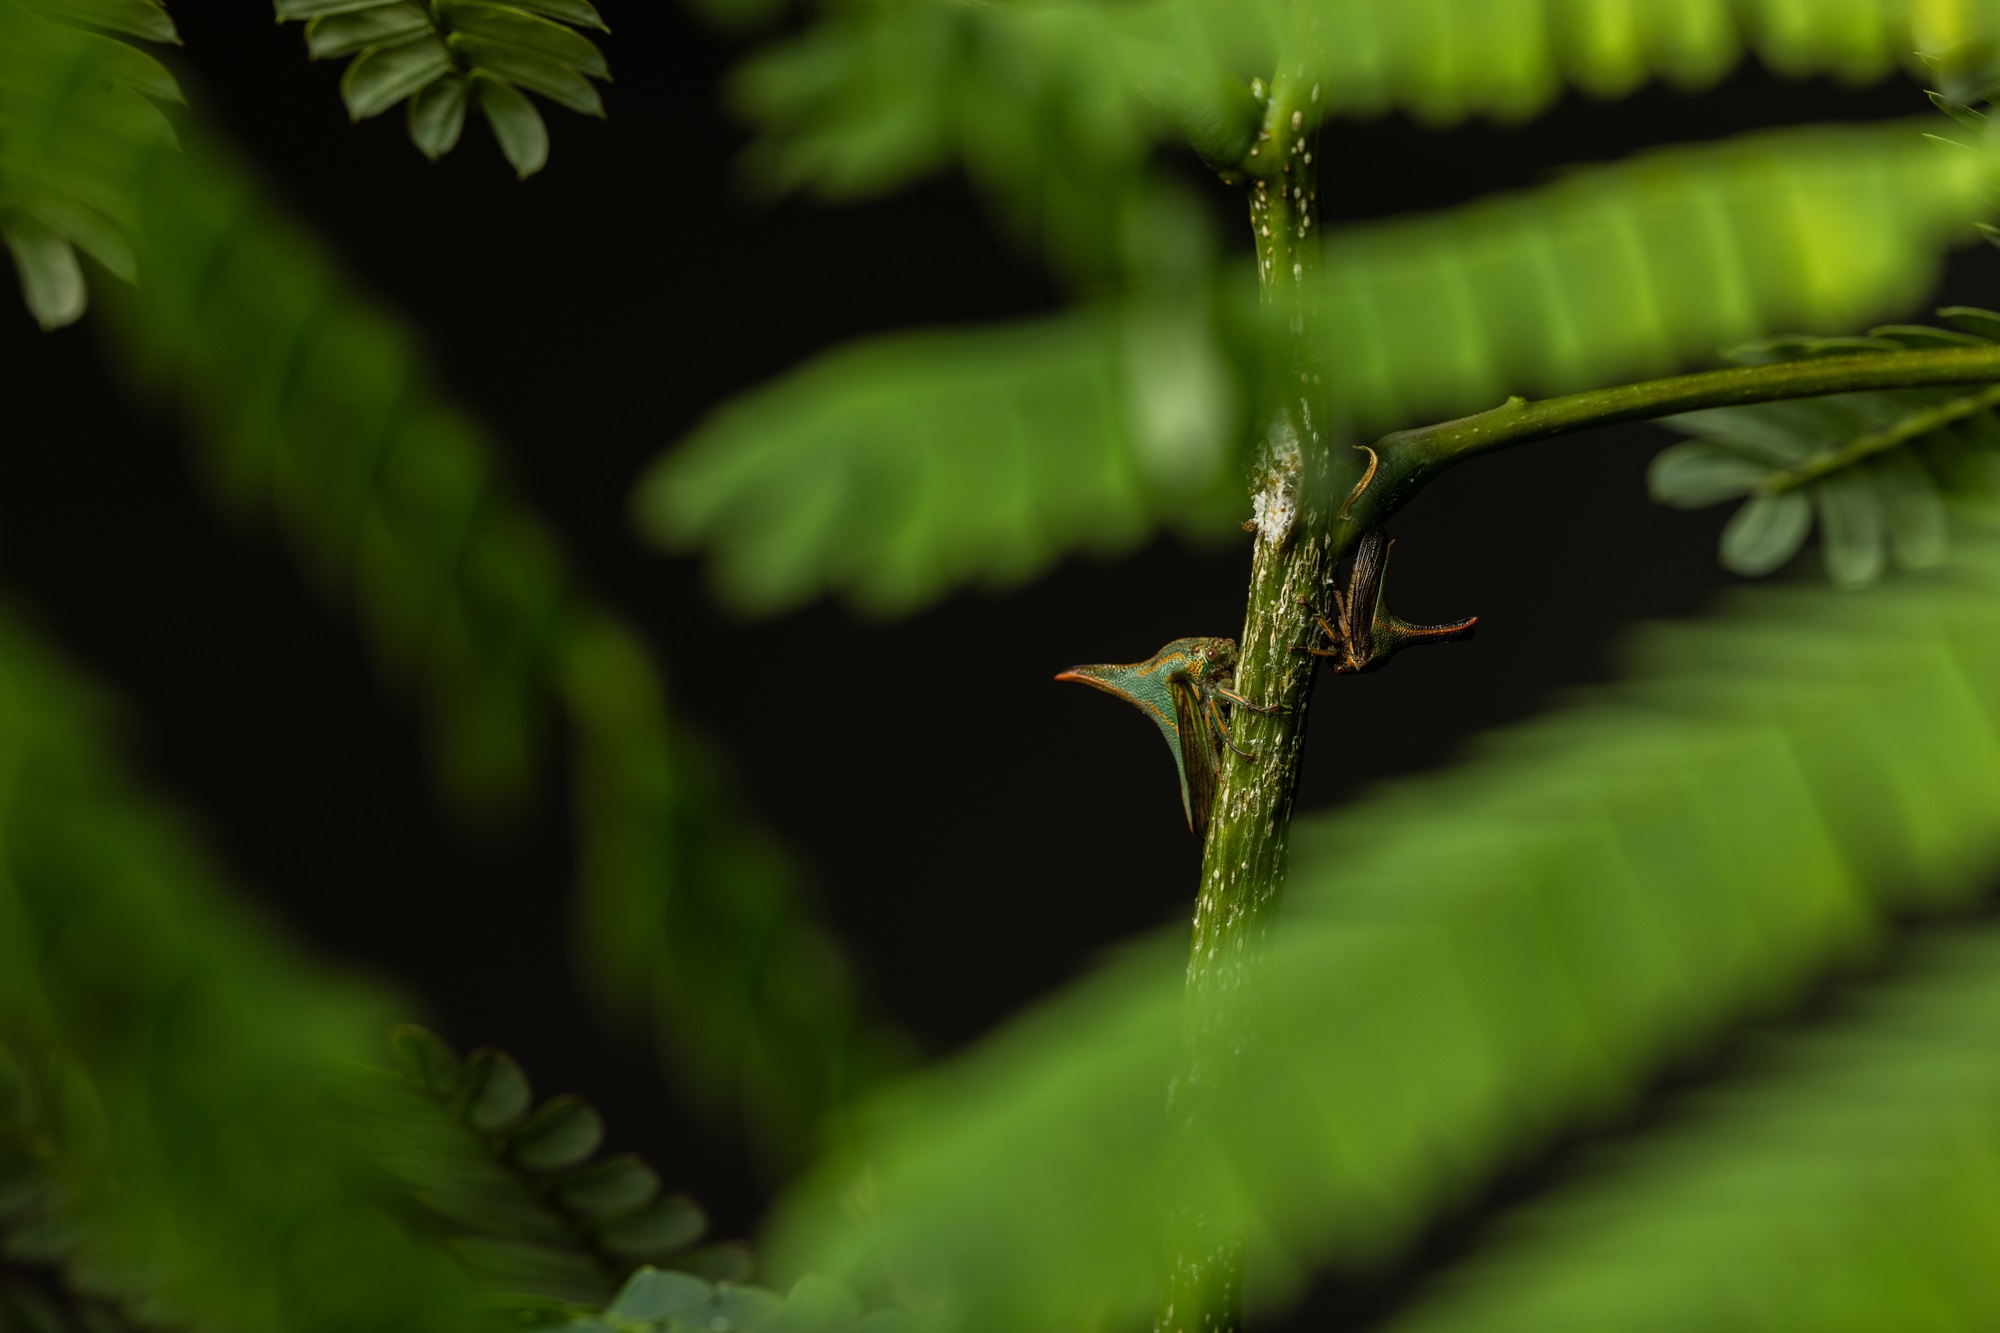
1410, 458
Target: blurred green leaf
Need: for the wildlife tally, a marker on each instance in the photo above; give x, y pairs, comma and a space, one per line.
313, 408
893, 470
52, 285
145, 19
1054, 105
1878, 468
1847, 1179
1470, 964
561, 1134
1766, 532
190, 1166
80, 119
1637, 268
896, 469
513, 1192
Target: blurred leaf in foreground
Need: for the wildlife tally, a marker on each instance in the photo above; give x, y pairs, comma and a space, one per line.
1470, 964
893, 470
191, 1165
315, 408
1851, 1179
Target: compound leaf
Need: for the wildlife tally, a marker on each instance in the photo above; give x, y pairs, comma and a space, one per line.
434, 55
1468, 964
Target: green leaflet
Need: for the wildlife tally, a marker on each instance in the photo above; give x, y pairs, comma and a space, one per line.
1875, 469
174, 1054
427, 54
1847, 1180
1053, 105
54, 204
1469, 963
313, 408
145, 19
510, 1188
657, 1302
896, 469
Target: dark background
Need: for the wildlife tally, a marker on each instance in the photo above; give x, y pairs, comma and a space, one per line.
592, 315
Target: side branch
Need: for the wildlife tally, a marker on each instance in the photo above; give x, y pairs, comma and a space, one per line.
1411, 457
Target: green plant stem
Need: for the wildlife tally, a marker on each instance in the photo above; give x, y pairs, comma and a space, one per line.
1243, 866
1877, 441
1410, 458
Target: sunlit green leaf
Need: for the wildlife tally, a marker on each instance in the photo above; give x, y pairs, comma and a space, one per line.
651, 1294
896, 469
1053, 106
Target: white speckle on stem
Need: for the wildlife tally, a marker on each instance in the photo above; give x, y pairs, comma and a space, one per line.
1274, 507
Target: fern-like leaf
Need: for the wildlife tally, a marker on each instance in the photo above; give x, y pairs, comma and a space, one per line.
1468, 965
1879, 471
897, 468
1054, 105
314, 408
98, 97
184, 1159
1848, 1181
442, 57
517, 1190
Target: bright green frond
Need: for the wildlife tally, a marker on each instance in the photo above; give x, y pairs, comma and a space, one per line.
894, 470
1638, 268
1850, 1181
315, 408
167, 1139
435, 56
1053, 104
1468, 965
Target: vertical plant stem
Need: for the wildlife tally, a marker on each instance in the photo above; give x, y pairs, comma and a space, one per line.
1298, 543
